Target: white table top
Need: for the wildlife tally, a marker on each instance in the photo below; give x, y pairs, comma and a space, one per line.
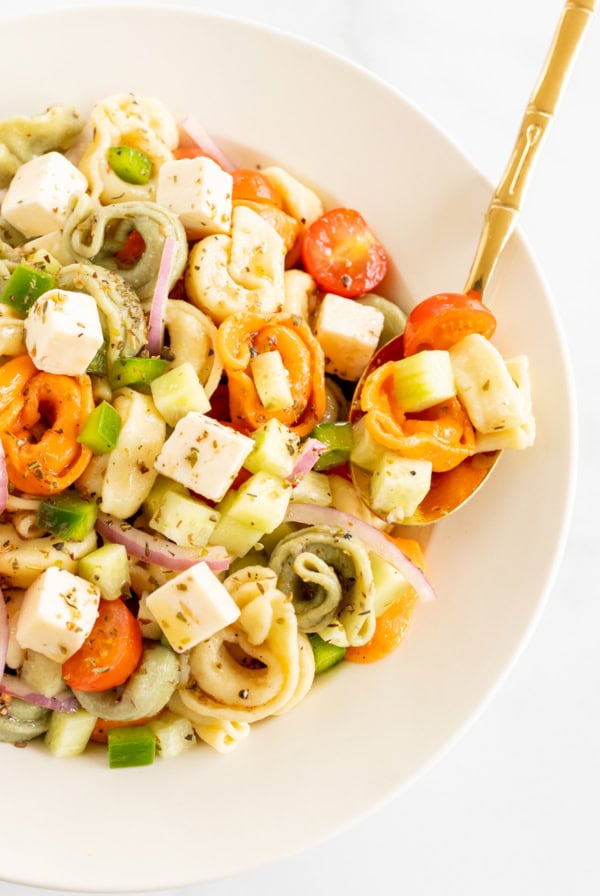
512, 808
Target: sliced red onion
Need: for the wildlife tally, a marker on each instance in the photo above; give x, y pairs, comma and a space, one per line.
373, 539
156, 549
3, 480
4, 631
311, 451
158, 308
16, 687
204, 141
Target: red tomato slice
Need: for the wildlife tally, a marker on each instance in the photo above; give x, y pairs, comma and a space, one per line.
132, 250
111, 652
441, 321
342, 254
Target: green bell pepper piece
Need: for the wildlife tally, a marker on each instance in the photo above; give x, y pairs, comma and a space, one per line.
130, 746
67, 516
326, 655
101, 429
339, 441
136, 371
24, 286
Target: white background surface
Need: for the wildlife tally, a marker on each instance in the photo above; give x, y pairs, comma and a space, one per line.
513, 807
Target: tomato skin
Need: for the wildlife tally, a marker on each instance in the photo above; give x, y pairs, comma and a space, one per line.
342, 254
253, 186
441, 321
110, 653
132, 250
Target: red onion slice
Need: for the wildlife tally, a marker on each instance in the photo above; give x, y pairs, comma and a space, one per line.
15, 687
204, 141
4, 632
310, 452
158, 308
3, 480
373, 539
156, 549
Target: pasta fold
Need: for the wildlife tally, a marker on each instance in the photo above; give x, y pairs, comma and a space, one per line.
23, 137
192, 337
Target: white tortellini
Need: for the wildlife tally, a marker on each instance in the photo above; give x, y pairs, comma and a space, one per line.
328, 573
259, 666
299, 201
12, 338
122, 479
192, 338
23, 559
241, 272
139, 122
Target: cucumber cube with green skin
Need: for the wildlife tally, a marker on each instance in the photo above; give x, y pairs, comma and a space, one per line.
108, 569
136, 372
187, 521
162, 485
174, 735
272, 381
261, 502
326, 654
389, 584
313, 488
43, 260
398, 485
275, 449
237, 538
43, 675
25, 285
101, 429
423, 380
177, 392
68, 733
67, 516
130, 164
366, 452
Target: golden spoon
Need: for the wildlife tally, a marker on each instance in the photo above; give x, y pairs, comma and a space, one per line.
450, 490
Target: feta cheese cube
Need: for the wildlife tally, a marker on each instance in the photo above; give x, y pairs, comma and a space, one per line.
191, 607
204, 455
63, 332
58, 612
199, 192
348, 334
37, 199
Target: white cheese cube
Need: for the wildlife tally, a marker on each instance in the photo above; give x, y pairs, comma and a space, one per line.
58, 612
348, 334
63, 332
204, 455
191, 607
38, 197
198, 191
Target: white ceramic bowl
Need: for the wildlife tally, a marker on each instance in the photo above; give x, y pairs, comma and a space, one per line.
366, 732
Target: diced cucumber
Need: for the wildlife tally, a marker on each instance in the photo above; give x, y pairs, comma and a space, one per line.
389, 584
237, 538
261, 502
43, 260
68, 733
366, 452
43, 675
177, 392
174, 735
185, 520
272, 381
162, 485
398, 486
313, 488
275, 449
423, 380
484, 385
108, 569
22, 721
325, 653
100, 431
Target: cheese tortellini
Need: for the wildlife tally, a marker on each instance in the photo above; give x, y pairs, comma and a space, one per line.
259, 666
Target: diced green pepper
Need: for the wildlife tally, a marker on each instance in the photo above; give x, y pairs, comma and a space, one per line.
136, 371
326, 655
98, 366
67, 516
339, 441
131, 165
127, 747
24, 286
101, 429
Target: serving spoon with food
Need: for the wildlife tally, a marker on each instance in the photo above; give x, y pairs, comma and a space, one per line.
451, 489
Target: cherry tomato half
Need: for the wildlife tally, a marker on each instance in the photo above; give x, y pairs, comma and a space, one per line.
342, 255
441, 321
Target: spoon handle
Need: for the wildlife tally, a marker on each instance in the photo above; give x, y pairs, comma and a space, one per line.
503, 211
